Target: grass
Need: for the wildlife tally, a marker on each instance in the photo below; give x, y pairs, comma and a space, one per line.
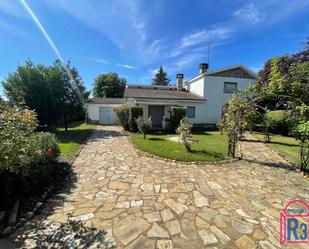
287, 146
71, 139
211, 147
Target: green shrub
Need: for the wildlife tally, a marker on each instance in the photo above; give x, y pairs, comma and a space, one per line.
144, 125
177, 114
135, 112
123, 114
26, 157
278, 121
184, 130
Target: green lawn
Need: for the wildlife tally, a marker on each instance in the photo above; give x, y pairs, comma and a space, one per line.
287, 146
211, 147
71, 140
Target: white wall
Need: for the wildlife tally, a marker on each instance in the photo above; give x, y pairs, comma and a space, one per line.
93, 110
216, 98
197, 86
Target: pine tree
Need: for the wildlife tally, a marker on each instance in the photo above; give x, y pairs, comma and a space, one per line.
161, 78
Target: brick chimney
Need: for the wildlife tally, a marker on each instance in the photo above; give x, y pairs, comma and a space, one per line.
203, 67
179, 81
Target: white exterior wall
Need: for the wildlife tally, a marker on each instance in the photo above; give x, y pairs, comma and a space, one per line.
209, 112
215, 96
197, 87
93, 110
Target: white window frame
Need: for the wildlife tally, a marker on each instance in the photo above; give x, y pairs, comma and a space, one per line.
193, 107
230, 83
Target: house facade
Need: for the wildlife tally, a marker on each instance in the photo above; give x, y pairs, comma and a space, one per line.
203, 96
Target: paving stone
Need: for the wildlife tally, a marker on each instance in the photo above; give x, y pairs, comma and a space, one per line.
135, 203
173, 227
109, 214
142, 243
205, 189
208, 238
266, 245
241, 228
123, 204
199, 199
157, 232
243, 213
177, 207
147, 187
152, 217
259, 234
220, 235
129, 230
118, 185
205, 215
201, 223
244, 242
166, 214
164, 244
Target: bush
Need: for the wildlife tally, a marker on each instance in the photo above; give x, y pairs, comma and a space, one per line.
135, 112
184, 130
177, 114
144, 125
123, 114
25, 156
278, 121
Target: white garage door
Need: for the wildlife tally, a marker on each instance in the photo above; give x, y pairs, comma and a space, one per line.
107, 116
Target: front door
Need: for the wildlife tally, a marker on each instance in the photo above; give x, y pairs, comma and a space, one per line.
156, 112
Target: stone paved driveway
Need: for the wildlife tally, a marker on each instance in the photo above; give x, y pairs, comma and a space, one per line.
150, 203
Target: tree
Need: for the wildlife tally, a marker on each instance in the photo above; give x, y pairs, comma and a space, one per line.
109, 85
49, 90
161, 78
143, 125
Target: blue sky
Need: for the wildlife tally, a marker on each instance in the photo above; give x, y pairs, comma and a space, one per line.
133, 38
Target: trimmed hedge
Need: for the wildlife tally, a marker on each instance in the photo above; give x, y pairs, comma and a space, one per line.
123, 114
177, 114
134, 113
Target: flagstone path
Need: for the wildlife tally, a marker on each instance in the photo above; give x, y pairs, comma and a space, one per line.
145, 202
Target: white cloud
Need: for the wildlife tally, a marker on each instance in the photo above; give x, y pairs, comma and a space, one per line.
126, 66
212, 34
249, 13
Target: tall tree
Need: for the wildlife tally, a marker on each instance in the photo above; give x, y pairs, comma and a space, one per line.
109, 85
54, 92
161, 78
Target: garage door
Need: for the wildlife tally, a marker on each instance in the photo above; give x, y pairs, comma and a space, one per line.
107, 116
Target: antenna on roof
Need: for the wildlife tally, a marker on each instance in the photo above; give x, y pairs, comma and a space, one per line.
208, 51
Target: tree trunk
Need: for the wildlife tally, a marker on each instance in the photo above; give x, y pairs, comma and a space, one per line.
65, 122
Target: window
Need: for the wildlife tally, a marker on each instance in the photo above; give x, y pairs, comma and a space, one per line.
230, 87
190, 111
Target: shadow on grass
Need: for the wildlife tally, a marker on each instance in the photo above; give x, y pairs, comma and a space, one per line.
156, 139
213, 154
78, 136
271, 142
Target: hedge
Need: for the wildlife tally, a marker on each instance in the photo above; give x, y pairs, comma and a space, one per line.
177, 114
123, 114
279, 121
135, 112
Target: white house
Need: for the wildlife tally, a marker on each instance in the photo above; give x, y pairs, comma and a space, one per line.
203, 96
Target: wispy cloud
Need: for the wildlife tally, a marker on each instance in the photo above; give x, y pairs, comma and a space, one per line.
206, 35
126, 66
249, 13
43, 30
12, 8
103, 61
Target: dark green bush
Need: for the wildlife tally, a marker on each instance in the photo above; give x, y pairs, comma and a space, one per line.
135, 112
278, 121
123, 114
177, 114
